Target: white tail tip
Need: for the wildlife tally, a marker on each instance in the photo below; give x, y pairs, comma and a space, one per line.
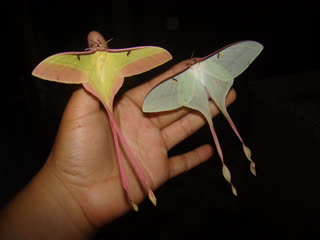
134, 206
253, 168
152, 198
234, 190
247, 152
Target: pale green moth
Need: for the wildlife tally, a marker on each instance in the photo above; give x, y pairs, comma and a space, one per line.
208, 78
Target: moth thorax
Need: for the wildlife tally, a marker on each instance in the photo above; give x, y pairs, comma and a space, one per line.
197, 72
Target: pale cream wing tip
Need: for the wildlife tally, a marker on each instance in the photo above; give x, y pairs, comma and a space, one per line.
234, 190
247, 152
153, 199
227, 175
134, 206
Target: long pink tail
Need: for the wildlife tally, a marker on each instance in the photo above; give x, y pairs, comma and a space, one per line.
123, 177
116, 131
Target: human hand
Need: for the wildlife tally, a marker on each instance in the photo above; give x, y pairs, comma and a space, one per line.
83, 159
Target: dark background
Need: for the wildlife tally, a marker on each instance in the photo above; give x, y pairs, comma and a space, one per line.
276, 112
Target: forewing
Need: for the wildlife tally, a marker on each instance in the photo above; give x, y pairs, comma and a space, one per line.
132, 61
68, 67
235, 58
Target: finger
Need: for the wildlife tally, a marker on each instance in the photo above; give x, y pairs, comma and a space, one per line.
163, 119
190, 123
81, 103
184, 162
82, 119
138, 94
81, 110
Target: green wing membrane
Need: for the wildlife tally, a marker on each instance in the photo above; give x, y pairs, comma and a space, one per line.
163, 97
236, 57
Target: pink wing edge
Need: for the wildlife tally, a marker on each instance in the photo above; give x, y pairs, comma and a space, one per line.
219, 50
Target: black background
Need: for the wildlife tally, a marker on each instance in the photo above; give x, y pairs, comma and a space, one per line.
276, 112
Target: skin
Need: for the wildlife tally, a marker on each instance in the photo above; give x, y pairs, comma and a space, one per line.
79, 189
96, 40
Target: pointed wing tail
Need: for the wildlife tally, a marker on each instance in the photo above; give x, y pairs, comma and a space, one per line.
116, 131
192, 94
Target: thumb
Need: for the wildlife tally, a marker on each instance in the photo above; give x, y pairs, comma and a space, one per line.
81, 103
78, 122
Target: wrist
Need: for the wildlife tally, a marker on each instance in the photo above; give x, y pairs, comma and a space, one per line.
44, 210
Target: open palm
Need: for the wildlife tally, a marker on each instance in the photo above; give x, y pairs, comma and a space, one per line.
83, 158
